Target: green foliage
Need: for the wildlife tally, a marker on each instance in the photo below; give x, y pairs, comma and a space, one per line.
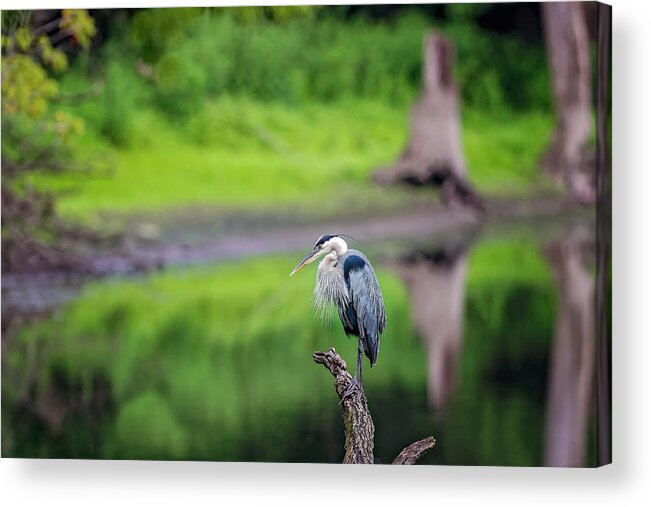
303, 59
178, 76
80, 24
239, 154
277, 13
502, 150
34, 135
118, 102
29, 145
498, 73
12, 20
241, 108
52, 57
153, 31
265, 54
459, 13
26, 88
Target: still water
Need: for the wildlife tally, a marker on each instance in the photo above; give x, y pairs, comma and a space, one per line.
489, 348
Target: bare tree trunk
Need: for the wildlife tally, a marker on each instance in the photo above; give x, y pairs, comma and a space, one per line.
568, 158
358, 425
571, 376
433, 155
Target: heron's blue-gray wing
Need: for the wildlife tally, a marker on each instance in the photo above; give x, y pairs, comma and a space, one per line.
364, 315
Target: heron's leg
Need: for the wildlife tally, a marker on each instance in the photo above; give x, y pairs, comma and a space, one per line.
359, 361
354, 384
359, 365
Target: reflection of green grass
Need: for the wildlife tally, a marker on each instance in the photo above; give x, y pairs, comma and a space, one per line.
510, 308
514, 258
237, 153
203, 352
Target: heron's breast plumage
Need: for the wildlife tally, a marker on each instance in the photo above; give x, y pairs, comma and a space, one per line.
330, 289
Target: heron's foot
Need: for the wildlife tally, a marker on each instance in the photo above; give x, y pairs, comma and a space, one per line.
350, 389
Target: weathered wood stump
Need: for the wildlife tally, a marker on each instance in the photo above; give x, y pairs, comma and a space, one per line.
358, 425
434, 154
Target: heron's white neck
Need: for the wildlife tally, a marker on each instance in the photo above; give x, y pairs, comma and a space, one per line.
336, 245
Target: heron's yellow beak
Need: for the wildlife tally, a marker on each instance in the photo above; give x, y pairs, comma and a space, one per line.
308, 259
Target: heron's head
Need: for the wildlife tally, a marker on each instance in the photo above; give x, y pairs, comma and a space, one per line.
325, 244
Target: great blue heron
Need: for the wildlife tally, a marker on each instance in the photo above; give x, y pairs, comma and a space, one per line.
346, 278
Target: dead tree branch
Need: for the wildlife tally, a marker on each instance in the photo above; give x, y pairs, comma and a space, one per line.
412, 453
358, 424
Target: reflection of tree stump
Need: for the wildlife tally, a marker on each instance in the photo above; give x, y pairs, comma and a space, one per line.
436, 283
569, 158
358, 424
571, 375
433, 155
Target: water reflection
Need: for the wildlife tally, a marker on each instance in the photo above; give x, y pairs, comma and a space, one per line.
435, 281
492, 335
571, 375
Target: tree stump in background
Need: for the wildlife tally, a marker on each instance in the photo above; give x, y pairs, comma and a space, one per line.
359, 429
434, 155
568, 158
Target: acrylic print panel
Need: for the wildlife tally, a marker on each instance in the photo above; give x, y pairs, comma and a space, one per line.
442, 170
